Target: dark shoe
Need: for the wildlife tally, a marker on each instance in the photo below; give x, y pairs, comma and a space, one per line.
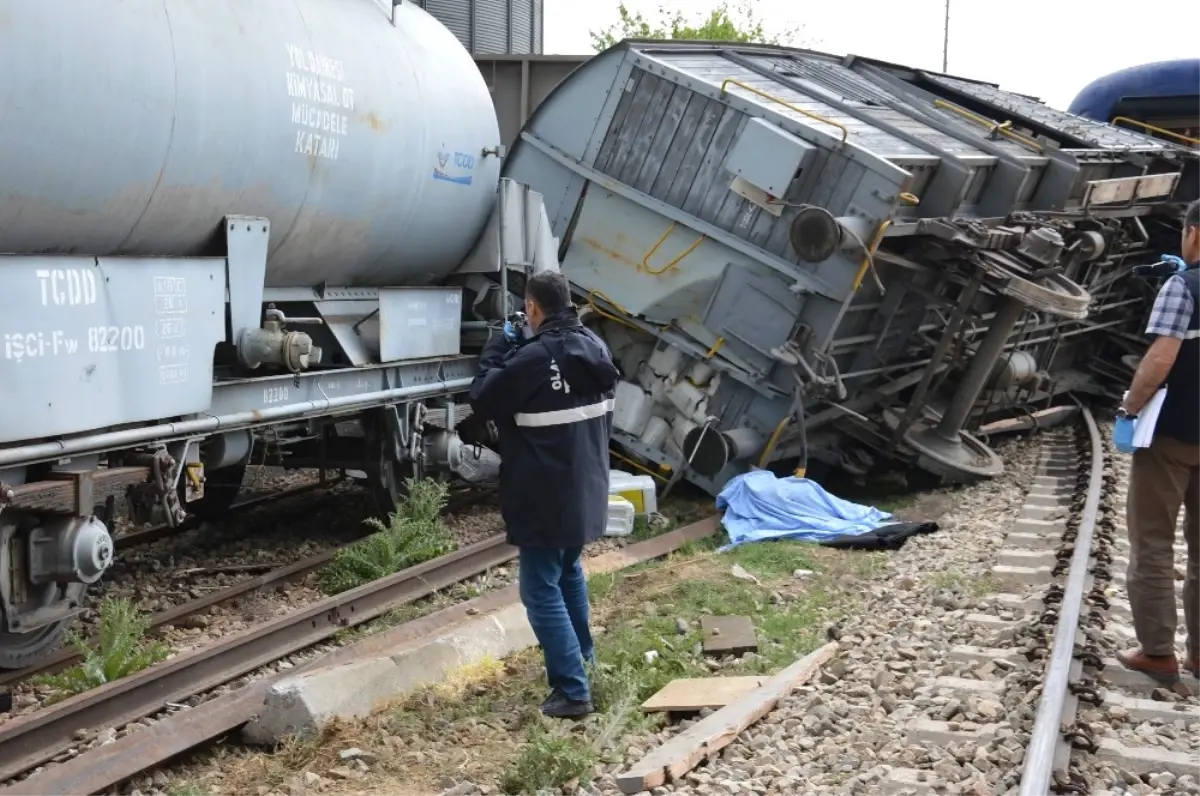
1192, 665
1163, 668
557, 706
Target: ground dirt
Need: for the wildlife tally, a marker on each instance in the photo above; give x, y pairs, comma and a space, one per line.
482, 732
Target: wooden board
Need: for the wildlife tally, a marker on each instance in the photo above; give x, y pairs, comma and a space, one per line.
728, 635
708, 736
1043, 418
691, 695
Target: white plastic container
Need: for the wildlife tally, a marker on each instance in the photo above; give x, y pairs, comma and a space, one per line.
687, 398
632, 410
656, 432
620, 517
700, 373
665, 361
638, 490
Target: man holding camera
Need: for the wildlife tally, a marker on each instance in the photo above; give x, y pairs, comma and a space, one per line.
550, 395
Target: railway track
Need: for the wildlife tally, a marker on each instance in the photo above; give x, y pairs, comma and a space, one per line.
1062, 616
32, 740
276, 577
29, 743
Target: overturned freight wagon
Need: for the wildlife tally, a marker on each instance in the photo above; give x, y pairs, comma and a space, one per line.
838, 260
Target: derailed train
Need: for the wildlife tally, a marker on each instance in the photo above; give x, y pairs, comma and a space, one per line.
844, 260
286, 226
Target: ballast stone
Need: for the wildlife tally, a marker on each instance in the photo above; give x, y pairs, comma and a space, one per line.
305, 703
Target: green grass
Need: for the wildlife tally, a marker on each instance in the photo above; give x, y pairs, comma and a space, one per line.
958, 582
184, 788
547, 760
638, 607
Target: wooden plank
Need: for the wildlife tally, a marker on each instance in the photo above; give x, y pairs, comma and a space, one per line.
708, 736
1043, 418
59, 495
694, 694
728, 635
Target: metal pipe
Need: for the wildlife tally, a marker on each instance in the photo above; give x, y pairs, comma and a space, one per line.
1039, 757
96, 443
858, 374
847, 342
505, 304
981, 368
946, 40
939, 353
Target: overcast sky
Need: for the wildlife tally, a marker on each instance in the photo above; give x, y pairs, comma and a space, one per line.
1050, 49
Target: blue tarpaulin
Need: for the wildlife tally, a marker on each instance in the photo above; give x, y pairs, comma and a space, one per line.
759, 506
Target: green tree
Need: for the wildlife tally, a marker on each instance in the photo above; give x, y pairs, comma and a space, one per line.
727, 21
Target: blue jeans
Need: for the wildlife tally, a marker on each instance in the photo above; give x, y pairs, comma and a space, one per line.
554, 592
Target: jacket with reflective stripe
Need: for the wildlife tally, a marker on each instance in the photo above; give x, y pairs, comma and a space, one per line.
551, 399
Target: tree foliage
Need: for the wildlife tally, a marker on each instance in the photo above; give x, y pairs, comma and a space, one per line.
727, 21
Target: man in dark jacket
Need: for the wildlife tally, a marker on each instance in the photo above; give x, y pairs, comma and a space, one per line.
551, 398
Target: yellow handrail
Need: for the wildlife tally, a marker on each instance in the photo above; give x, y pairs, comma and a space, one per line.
868, 255
646, 260
1004, 128
786, 104
591, 302
1154, 129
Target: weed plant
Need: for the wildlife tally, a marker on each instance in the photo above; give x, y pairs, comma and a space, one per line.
414, 534
122, 649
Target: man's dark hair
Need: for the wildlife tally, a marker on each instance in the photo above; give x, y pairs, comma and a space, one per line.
550, 290
1192, 217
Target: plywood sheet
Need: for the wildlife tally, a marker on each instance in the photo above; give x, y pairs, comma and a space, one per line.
691, 695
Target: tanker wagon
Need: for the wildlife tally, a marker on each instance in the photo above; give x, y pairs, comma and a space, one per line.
222, 218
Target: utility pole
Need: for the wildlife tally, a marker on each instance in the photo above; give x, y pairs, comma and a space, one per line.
946, 39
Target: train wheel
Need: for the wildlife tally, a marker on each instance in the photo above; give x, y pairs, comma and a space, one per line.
18, 650
221, 488
385, 476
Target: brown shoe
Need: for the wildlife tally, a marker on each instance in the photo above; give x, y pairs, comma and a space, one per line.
1192, 665
1163, 668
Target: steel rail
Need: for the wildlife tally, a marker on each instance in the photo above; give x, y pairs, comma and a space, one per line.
1043, 741
34, 739
103, 767
64, 657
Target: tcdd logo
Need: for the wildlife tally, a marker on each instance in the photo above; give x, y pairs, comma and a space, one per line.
462, 162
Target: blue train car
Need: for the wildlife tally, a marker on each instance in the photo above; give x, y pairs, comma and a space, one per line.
1165, 94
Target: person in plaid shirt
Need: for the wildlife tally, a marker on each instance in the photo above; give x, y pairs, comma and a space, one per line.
1167, 473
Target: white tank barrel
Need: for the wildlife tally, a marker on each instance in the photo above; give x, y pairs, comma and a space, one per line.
135, 127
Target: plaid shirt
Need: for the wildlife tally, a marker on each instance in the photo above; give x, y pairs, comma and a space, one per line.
1172, 311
